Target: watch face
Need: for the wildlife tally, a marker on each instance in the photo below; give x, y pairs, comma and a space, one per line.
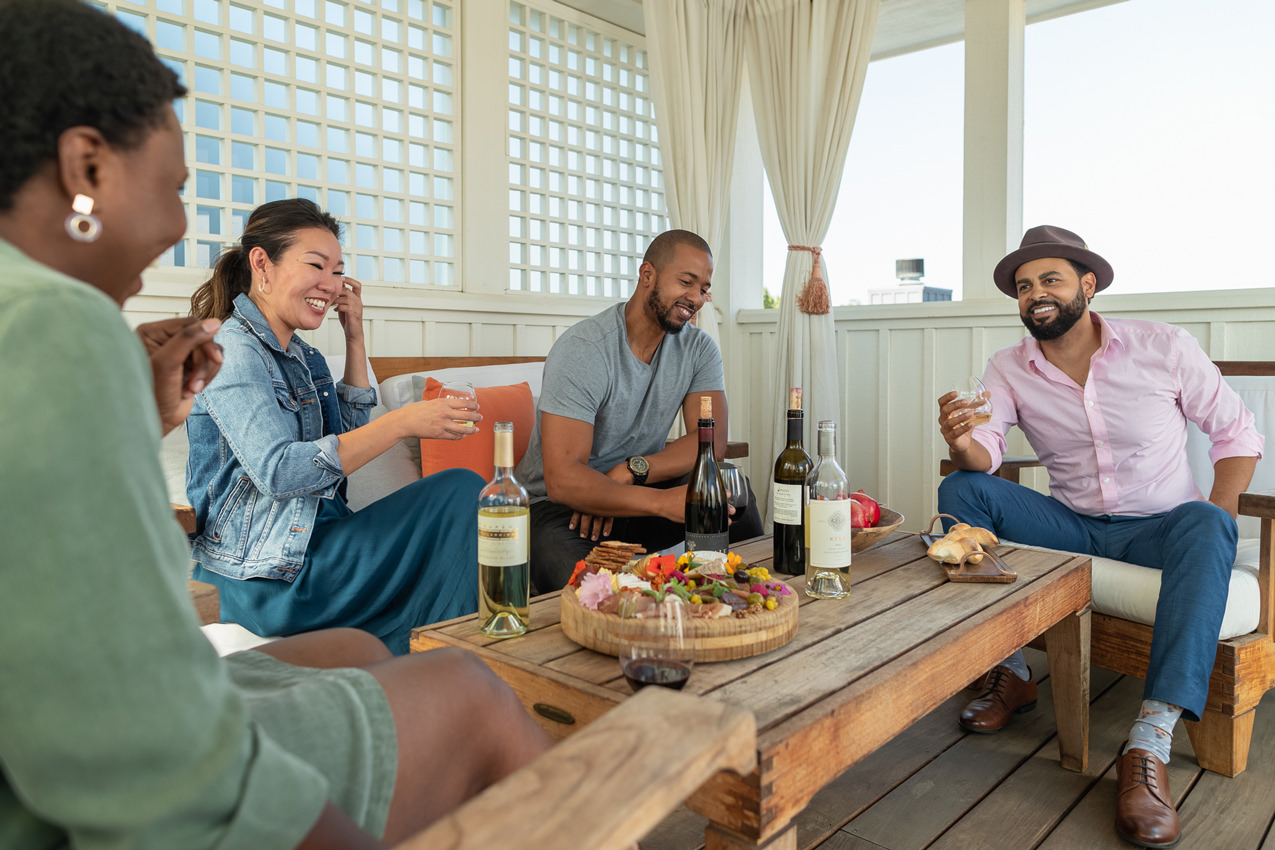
638, 465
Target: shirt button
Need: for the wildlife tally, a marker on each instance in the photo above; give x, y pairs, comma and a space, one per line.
1100, 442
1106, 481
1090, 404
325, 395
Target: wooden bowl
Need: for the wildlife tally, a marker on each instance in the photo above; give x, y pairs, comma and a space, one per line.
863, 538
715, 640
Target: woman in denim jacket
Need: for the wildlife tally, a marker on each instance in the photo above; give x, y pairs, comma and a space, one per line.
273, 437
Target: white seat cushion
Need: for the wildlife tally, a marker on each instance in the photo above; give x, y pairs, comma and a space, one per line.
1130, 592
232, 637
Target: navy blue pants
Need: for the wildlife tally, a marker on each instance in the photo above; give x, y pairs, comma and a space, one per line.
1192, 545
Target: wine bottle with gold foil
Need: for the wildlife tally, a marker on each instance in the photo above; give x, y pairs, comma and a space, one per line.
504, 571
707, 518
788, 494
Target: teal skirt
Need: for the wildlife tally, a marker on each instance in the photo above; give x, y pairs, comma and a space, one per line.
407, 560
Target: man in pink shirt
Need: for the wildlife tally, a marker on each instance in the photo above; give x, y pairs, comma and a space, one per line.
1105, 402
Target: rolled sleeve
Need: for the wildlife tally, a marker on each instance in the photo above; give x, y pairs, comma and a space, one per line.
991, 436
1208, 401
245, 404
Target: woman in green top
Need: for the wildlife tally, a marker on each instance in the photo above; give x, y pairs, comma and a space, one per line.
119, 725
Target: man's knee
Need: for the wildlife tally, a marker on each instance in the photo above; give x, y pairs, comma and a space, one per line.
959, 487
1205, 521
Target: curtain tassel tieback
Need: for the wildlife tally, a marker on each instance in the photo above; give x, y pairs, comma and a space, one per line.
813, 298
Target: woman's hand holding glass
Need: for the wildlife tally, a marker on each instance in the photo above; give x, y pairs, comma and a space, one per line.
443, 418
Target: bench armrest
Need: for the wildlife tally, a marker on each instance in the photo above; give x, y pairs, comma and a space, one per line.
1262, 505
1009, 469
609, 784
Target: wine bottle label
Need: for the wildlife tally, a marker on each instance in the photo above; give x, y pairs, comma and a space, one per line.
503, 540
719, 542
829, 533
786, 499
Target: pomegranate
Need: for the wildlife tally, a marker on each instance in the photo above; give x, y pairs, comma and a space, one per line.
871, 509
859, 515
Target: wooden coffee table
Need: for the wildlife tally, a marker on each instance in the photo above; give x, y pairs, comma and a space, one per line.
858, 672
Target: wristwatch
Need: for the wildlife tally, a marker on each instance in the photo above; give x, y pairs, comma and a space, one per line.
639, 468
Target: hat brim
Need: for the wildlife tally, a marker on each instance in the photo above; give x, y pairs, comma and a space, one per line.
1003, 276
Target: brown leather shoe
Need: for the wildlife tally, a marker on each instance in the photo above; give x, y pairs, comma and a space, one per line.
1144, 809
1003, 694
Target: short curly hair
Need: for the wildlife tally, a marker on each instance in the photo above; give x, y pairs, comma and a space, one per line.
66, 64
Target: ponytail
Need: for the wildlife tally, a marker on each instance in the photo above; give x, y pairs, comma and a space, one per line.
273, 228
231, 276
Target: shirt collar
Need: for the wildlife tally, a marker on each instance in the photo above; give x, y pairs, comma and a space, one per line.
1109, 335
248, 313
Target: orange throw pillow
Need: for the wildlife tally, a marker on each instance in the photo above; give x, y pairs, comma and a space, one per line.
477, 451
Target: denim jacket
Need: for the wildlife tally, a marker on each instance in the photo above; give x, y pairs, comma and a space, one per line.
263, 449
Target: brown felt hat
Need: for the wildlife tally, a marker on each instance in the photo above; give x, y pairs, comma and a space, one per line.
1049, 241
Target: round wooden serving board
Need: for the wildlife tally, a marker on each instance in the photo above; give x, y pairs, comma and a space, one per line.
722, 639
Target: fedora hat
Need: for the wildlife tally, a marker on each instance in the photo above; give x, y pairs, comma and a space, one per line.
1049, 241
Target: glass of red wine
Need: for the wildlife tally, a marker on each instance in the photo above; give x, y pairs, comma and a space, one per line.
656, 643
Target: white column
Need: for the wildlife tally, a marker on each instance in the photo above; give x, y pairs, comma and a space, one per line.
993, 206
484, 98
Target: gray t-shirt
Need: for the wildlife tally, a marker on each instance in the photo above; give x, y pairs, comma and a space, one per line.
591, 375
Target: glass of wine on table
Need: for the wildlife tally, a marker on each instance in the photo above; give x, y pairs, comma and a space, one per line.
656, 644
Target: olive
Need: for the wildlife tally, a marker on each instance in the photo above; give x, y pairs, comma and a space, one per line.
741, 576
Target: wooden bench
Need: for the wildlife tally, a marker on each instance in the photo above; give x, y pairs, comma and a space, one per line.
610, 783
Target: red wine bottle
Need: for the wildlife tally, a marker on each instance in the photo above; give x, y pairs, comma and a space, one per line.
707, 519
788, 494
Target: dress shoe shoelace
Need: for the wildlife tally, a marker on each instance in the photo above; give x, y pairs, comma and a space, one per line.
1142, 772
997, 682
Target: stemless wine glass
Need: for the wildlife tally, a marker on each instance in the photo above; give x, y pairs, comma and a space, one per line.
736, 486
460, 389
975, 391
656, 644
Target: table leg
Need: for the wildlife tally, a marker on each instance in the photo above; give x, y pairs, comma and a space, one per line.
1067, 644
716, 838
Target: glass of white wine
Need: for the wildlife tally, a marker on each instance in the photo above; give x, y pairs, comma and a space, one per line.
460, 389
976, 393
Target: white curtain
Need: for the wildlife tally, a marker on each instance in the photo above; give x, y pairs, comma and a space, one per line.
696, 48
806, 63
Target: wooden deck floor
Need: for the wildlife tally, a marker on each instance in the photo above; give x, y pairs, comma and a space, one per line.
941, 788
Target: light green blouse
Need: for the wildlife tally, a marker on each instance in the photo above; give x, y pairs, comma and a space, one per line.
119, 725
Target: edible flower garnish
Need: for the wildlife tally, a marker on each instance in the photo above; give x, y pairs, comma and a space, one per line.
664, 565
581, 567
594, 588
733, 561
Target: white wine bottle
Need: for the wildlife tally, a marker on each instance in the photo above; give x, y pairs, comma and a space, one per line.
788, 494
828, 521
707, 519
504, 534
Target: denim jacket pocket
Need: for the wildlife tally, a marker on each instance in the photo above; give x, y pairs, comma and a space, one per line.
239, 504
286, 398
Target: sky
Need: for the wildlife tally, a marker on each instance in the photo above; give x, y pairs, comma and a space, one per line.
1148, 131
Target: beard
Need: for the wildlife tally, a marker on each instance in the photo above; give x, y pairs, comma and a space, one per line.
1064, 320
664, 314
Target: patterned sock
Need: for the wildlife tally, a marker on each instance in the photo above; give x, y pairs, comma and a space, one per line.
1153, 730
1018, 664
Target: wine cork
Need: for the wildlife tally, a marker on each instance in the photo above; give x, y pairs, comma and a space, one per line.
794, 398
705, 407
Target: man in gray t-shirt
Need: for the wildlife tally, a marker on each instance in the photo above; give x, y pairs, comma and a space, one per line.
597, 466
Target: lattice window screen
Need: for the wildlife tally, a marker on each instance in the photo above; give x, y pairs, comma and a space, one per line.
351, 104
585, 184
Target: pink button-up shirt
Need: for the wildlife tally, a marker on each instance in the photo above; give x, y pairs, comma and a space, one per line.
1117, 445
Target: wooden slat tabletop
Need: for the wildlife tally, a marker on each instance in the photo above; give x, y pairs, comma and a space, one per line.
857, 672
